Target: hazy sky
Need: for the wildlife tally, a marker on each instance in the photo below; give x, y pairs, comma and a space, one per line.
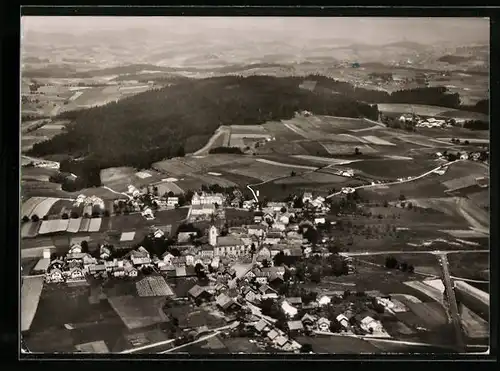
360, 29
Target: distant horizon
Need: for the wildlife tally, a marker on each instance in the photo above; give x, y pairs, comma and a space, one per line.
363, 30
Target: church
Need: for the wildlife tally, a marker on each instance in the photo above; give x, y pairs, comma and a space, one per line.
226, 245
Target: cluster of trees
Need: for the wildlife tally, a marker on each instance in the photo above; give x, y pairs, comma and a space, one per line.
168, 117
392, 263
434, 96
476, 125
234, 150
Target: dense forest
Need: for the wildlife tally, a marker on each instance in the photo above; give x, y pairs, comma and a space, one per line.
433, 96
169, 122
158, 124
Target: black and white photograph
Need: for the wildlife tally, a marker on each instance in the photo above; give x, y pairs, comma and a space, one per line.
254, 185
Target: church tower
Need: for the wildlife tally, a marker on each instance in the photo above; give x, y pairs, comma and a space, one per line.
212, 235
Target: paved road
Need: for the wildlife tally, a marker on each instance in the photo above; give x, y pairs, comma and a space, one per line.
394, 252
451, 303
400, 181
213, 138
215, 333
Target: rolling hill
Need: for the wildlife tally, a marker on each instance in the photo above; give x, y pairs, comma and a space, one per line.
158, 124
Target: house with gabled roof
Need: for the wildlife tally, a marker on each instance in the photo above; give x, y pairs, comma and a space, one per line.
227, 303
323, 324
295, 327
261, 326
199, 294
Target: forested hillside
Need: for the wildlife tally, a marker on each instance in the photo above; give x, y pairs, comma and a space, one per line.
157, 124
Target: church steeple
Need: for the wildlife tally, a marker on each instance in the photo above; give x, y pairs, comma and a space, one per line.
212, 235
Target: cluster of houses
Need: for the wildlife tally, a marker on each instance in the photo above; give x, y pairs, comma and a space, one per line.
91, 202
247, 291
426, 123
78, 265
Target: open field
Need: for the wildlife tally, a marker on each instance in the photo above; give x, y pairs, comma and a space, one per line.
425, 110
138, 312
339, 345
263, 171
343, 123
314, 177
30, 296
348, 149
64, 304
469, 265
393, 169
424, 187
428, 315
280, 131
281, 147
474, 326
166, 187
455, 206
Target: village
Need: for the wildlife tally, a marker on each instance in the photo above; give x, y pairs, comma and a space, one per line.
249, 273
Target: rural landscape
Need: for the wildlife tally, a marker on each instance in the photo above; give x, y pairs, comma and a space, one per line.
215, 186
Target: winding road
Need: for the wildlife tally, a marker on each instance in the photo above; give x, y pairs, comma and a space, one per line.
399, 181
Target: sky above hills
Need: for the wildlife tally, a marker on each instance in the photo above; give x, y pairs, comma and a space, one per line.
363, 30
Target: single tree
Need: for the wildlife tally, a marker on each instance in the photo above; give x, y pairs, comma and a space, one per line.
357, 151
85, 246
306, 348
64, 216
391, 262
25, 219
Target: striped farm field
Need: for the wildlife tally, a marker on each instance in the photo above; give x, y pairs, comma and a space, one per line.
347, 149
248, 129
387, 168
462, 182
417, 140
418, 109
95, 224
174, 167
208, 179
325, 160
281, 131
84, 225
345, 123
60, 207
165, 187
262, 171
115, 173
30, 204
32, 230
281, 147
378, 141
43, 207
314, 148
74, 225
315, 177
53, 226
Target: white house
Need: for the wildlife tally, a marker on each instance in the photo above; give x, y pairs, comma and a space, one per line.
288, 309
307, 197
172, 201
323, 324
205, 199
324, 300
202, 209
319, 221
343, 321
373, 326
